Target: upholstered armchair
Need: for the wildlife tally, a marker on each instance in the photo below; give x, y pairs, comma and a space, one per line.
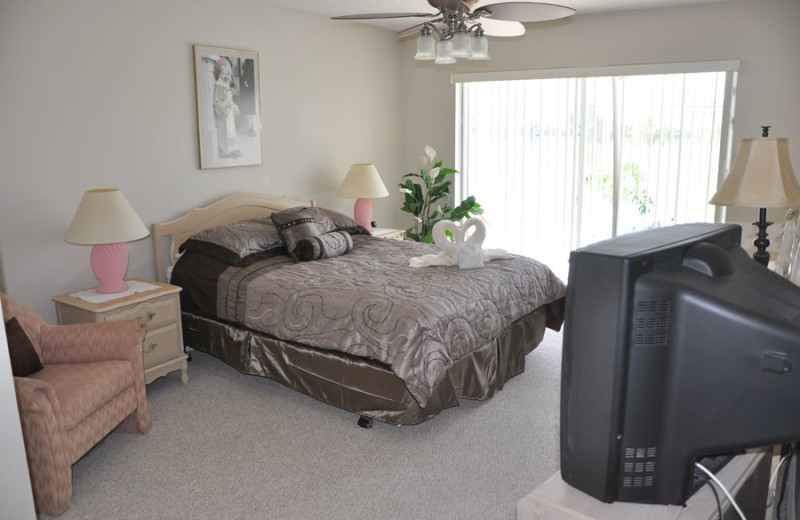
91, 383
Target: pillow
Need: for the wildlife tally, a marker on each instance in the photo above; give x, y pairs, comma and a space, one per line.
235, 243
345, 223
24, 359
329, 220
327, 245
295, 224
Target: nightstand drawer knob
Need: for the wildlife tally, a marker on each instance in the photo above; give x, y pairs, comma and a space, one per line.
150, 348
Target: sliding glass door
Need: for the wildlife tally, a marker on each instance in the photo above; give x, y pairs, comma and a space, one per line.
561, 162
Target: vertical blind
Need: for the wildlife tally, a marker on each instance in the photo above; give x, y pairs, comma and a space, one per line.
561, 162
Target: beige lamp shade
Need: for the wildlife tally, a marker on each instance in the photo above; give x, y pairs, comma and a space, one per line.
363, 182
761, 177
104, 216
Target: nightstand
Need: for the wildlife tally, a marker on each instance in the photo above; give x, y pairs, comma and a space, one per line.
392, 234
159, 308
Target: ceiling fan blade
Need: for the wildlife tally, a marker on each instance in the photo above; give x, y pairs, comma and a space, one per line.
526, 11
502, 28
377, 16
451, 5
497, 28
411, 31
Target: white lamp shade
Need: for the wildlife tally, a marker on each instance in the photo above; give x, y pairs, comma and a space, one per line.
461, 45
479, 48
444, 52
104, 216
761, 176
363, 182
426, 47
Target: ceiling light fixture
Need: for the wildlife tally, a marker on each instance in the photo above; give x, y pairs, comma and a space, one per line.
460, 28
456, 40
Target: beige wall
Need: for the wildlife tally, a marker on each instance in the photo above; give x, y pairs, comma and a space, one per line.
101, 94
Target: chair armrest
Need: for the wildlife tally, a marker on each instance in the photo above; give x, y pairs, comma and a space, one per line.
89, 342
36, 397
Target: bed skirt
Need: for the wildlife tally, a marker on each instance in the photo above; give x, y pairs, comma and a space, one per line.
364, 386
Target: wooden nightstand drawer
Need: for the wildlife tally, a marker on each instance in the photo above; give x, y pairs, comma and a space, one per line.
158, 306
153, 313
160, 345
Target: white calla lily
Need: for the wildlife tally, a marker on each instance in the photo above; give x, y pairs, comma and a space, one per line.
405, 190
430, 152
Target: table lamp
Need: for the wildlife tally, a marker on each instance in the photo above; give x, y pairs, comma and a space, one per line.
104, 219
363, 183
761, 177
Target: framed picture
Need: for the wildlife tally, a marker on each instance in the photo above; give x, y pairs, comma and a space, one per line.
228, 114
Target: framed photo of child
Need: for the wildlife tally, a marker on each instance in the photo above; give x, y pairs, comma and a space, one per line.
228, 111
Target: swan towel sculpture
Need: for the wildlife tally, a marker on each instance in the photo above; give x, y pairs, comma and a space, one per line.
467, 253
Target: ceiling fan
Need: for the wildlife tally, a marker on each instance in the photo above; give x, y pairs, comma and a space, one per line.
463, 25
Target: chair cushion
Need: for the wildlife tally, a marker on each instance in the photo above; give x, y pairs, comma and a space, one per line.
24, 359
82, 388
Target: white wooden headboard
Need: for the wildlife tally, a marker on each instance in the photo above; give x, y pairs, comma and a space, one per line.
232, 208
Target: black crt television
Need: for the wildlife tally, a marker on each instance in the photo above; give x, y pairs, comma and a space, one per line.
676, 346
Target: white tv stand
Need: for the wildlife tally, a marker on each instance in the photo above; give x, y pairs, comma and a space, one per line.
746, 477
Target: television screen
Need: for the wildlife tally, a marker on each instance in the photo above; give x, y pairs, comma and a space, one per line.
677, 346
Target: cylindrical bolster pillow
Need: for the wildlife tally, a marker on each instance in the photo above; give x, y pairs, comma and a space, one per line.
328, 245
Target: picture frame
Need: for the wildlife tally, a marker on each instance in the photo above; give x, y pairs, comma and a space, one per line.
227, 90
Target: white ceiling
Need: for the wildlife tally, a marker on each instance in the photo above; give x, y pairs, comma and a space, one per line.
330, 8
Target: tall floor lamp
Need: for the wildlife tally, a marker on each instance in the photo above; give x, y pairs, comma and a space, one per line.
761, 177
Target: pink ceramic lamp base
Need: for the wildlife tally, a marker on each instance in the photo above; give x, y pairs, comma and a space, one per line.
110, 264
362, 211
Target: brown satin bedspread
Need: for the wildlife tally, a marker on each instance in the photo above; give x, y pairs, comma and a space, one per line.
370, 304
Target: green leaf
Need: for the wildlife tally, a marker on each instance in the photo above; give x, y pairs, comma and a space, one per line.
439, 191
417, 189
443, 173
463, 209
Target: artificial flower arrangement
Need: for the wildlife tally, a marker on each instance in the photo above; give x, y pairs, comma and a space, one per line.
429, 201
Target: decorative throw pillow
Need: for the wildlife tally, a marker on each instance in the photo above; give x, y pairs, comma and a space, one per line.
329, 220
294, 225
328, 245
345, 223
24, 359
235, 243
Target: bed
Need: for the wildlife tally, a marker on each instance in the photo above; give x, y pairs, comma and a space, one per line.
361, 331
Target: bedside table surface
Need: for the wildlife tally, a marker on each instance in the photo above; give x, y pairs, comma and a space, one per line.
163, 288
389, 233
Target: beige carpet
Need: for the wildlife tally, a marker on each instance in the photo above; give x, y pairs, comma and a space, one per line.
230, 446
